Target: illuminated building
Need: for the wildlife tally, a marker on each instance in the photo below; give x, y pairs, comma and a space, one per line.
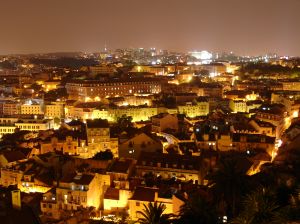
184, 77
203, 56
154, 69
9, 107
50, 85
7, 129
54, 111
253, 104
238, 106
139, 113
232, 68
82, 89
102, 69
16, 199
290, 85
9, 124
163, 121
142, 196
212, 89
116, 197
290, 99
184, 88
101, 114
242, 101
244, 142
34, 124
240, 95
120, 171
185, 168
133, 146
194, 109
209, 141
114, 146
214, 69
73, 192
98, 133
132, 100
275, 114
141, 68
28, 176
238, 140
78, 190
10, 176
32, 182
264, 128
185, 97
17, 90
81, 110
32, 109
98, 138
226, 78
49, 206
66, 145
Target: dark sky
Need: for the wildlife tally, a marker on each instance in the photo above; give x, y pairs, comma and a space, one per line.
242, 26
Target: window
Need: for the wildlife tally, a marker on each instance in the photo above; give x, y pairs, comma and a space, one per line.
137, 203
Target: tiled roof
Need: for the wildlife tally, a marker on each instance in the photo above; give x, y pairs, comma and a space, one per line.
144, 194
12, 156
112, 193
97, 123
172, 161
255, 138
120, 166
84, 179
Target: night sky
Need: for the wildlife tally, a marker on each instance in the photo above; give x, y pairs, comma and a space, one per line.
245, 27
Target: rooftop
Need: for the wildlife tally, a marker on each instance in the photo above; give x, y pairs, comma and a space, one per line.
112, 193
174, 161
97, 123
144, 194
12, 156
121, 166
80, 179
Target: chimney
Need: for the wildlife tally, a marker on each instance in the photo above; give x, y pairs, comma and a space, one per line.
16, 199
155, 196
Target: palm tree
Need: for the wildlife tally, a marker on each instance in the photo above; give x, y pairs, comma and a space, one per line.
198, 209
260, 207
229, 183
153, 214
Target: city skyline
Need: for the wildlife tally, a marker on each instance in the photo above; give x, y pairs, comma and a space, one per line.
246, 28
148, 112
